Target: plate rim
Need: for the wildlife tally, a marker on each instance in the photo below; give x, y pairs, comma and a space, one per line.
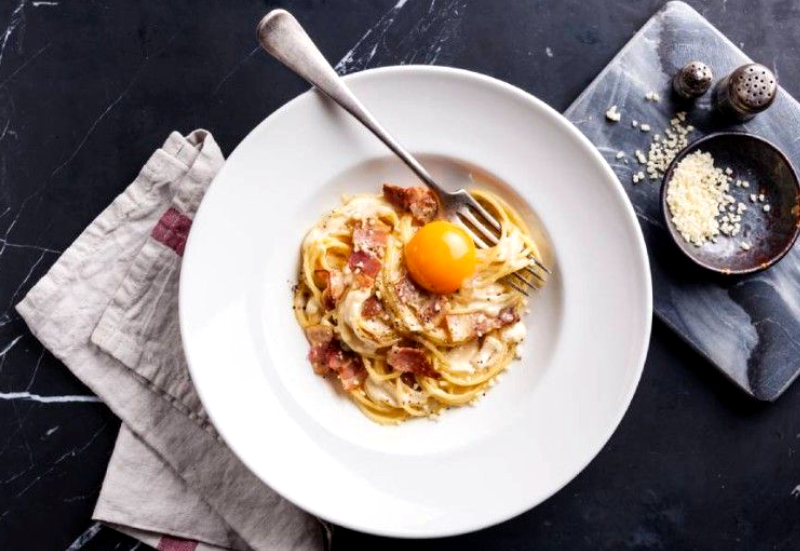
631, 220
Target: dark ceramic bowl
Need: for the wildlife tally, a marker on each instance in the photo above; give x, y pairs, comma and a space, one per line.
770, 234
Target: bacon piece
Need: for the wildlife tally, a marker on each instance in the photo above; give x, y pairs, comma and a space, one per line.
362, 262
352, 374
429, 307
372, 307
420, 202
327, 356
465, 326
319, 334
318, 356
334, 287
410, 360
507, 316
370, 239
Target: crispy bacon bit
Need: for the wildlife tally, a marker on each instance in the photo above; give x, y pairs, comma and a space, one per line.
429, 307
410, 360
370, 239
318, 356
420, 202
372, 307
508, 315
409, 380
465, 326
362, 262
327, 356
352, 374
334, 286
319, 334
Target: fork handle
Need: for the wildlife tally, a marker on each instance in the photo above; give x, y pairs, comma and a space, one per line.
281, 36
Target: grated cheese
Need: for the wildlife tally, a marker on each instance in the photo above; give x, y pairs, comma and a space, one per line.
696, 195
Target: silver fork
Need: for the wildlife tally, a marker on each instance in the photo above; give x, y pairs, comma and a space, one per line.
282, 37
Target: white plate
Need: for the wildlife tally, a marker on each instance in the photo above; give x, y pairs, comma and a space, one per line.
477, 466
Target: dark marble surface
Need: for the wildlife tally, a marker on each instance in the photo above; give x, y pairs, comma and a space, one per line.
88, 89
746, 326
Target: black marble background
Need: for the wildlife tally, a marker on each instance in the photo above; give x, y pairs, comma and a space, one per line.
88, 88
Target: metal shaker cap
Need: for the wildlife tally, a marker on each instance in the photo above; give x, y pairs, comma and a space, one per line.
752, 88
693, 80
748, 90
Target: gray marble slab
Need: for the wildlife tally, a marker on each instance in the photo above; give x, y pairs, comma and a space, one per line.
748, 327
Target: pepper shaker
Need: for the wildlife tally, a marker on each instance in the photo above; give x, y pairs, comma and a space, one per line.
693, 80
747, 91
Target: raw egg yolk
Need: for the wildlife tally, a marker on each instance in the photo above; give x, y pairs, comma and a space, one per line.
440, 257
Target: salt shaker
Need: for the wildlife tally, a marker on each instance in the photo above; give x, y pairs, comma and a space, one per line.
747, 91
693, 80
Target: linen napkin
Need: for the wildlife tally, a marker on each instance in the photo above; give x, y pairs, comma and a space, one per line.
108, 309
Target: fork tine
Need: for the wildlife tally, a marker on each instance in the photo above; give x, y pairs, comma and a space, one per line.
478, 240
492, 221
482, 244
516, 287
485, 214
493, 239
486, 234
533, 272
519, 278
539, 264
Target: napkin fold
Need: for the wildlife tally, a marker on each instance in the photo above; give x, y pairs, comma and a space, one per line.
108, 309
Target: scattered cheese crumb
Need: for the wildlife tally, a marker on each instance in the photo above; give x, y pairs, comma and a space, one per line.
761, 197
638, 177
767, 208
728, 171
645, 128
745, 245
753, 198
613, 114
652, 96
620, 154
634, 123
640, 157
663, 150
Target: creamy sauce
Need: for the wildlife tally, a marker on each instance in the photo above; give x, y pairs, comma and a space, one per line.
513, 333
349, 316
383, 393
512, 248
487, 300
459, 359
487, 355
312, 307
365, 207
362, 335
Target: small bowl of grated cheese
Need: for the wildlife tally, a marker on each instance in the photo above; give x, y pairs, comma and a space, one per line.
731, 202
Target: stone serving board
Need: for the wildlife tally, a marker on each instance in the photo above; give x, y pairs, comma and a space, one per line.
748, 327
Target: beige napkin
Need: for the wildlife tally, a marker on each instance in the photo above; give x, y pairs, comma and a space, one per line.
108, 309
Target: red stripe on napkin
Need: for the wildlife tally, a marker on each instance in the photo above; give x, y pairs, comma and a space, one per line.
172, 230
167, 543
